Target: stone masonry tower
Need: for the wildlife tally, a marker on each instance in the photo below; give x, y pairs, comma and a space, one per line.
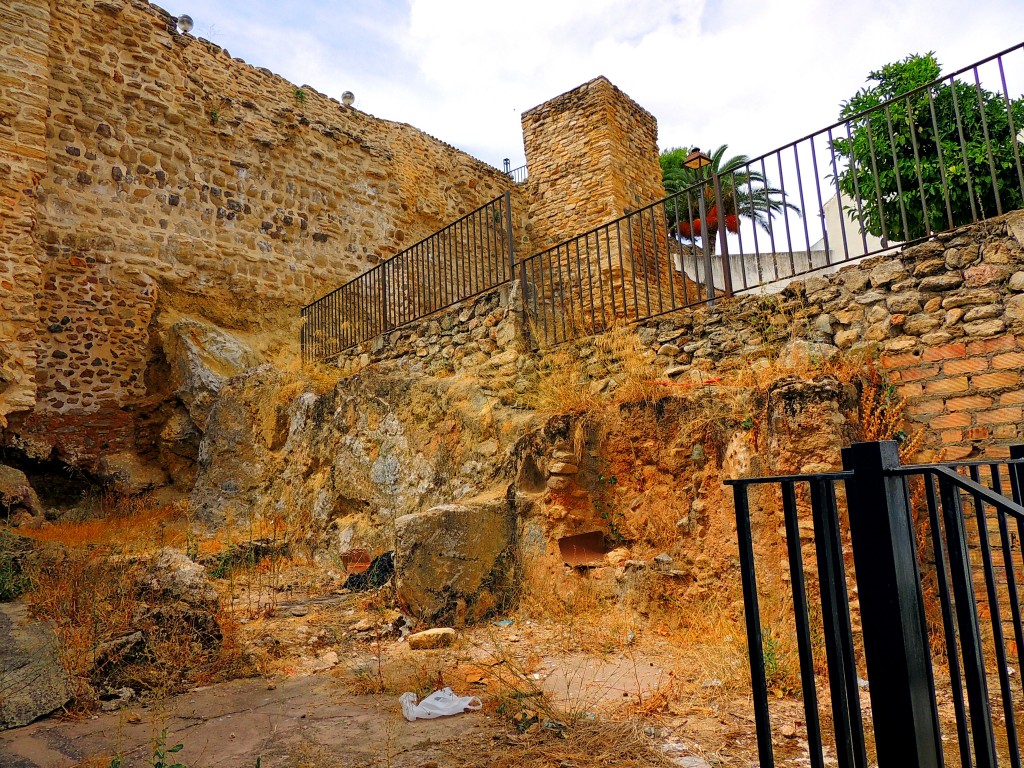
592, 155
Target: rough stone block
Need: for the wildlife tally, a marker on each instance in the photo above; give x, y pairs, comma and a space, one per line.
449, 554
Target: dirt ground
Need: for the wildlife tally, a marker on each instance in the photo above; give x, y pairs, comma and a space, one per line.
314, 721
331, 670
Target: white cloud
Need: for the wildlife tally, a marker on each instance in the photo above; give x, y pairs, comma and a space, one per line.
753, 74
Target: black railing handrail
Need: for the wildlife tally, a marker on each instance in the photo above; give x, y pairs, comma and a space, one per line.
884, 104
839, 475
751, 161
381, 265
907, 469
998, 501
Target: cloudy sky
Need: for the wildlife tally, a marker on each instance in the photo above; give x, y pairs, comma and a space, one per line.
753, 74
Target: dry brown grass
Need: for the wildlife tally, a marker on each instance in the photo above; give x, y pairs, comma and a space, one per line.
126, 524
564, 381
85, 578
562, 385
588, 742
587, 610
882, 415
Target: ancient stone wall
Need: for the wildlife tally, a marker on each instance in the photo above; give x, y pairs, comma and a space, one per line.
485, 339
24, 75
944, 320
149, 175
593, 157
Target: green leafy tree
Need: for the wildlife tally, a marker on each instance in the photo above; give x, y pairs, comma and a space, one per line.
901, 157
745, 194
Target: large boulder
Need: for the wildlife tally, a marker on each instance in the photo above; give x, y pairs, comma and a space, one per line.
33, 682
456, 560
128, 474
16, 493
202, 358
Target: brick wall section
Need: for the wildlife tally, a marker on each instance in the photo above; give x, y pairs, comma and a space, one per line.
969, 393
24, 74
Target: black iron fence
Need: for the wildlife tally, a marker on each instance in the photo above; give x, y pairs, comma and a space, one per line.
940, 156
465, 258
936, 628
518, 175
935, 158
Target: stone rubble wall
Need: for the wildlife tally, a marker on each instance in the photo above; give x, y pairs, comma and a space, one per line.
485, 338
943, 319
148, 175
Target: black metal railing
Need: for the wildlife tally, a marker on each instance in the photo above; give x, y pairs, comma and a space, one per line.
467, 257
922, 540
943, 155
518, 175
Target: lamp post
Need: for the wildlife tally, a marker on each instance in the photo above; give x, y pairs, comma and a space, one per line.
695, 161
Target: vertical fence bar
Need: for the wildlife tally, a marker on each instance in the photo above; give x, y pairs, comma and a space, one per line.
1006, 545
967, 623
751, 612
988, 143
948, 626
942, 163
996, 616
836, 623
723, 236
1012, 125
963, 148
803, 625
510, 239
895, 637
896, 174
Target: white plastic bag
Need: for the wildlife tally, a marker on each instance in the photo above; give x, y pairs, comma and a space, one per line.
437, 704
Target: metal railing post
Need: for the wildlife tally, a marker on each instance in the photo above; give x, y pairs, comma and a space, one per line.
511, 236
385, 321
709, 272
1017, 477
723, 236
892, 609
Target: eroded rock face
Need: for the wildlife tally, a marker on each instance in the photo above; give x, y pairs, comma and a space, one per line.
33, 682
455, 557
807, 423
379, 445
126, 473
202, 358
